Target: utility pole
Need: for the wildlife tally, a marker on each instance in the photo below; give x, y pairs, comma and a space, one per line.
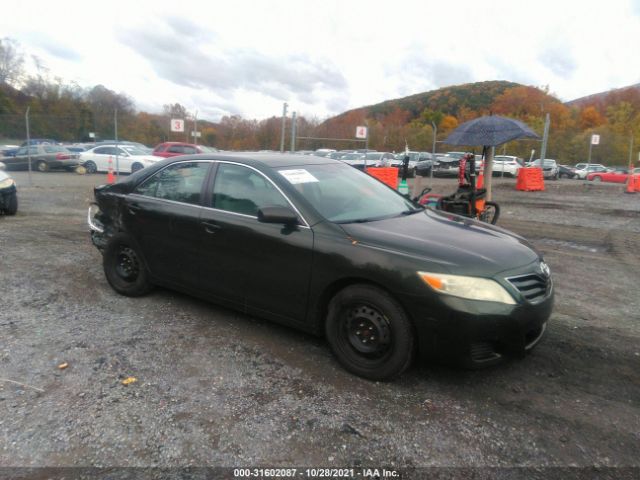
433, 149
115, 123
545, 139
293, 132
284, 121
26, 118
195, 128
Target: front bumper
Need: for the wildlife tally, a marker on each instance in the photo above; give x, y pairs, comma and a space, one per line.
476, 333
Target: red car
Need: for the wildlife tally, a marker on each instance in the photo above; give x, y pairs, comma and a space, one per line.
173, 149
616, 176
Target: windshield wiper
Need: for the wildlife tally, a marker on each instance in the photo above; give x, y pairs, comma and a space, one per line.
412, 211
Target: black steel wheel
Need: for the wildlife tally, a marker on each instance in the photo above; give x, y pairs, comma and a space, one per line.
124, 267
369, 332
90, 166
491, 213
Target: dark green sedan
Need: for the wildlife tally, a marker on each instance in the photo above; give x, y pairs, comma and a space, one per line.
315, 244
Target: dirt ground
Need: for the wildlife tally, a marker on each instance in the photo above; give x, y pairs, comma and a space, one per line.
218, 388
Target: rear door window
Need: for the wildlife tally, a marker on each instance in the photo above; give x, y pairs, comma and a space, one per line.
181, 182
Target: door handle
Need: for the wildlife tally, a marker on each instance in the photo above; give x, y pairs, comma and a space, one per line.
211, 227
134, 208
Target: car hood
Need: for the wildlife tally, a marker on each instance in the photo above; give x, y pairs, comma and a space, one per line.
456, 244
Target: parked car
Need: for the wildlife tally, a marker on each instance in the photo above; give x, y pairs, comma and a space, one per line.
173, 149
8, 192
129, 158
445, 165
140, 146
39, 141
565, 171
8, 150
354, 159
315, 244
549, 168
616, 176
398, 162
582, 171
44, 157
506, 165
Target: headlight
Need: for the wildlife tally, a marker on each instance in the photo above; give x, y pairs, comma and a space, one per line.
473, 288
7, 182
94, 223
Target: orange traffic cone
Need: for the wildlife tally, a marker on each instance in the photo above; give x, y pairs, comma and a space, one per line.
480, 180
630, 183
110, 177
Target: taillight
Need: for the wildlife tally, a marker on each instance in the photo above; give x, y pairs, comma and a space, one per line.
62, 156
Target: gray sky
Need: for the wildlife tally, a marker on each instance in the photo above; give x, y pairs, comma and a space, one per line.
325, 57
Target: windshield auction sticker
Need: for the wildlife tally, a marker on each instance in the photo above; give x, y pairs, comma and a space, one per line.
298, 176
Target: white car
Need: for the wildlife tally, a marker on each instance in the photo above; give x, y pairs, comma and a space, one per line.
507, 164
127, 158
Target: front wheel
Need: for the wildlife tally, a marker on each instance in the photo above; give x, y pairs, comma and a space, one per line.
370, 333
491, 213
90, 166
124, 267
136, 166
42, 166
12, 204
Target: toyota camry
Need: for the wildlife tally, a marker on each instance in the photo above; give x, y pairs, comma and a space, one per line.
312, 243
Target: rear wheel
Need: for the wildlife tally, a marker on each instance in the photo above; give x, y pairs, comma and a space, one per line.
136, 166
370, 333
124, 267
42, 166
491, 213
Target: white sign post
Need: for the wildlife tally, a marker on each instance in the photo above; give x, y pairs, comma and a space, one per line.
177, 125
595, 140
362, 132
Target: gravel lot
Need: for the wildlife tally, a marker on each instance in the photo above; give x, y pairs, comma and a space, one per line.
218, 388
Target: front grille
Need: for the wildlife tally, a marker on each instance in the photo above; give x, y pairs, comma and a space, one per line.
534, 287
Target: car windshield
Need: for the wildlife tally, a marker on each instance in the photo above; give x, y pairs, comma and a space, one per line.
373, 156
343, 194
133, 150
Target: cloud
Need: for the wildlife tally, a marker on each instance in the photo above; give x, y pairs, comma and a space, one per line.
173, 54
54, 47
559, 60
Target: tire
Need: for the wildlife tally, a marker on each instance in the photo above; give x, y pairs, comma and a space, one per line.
12, 204
90, 166
491, 213
360, 309
42, 166
136, 166
563, 175
124, 267
597, 178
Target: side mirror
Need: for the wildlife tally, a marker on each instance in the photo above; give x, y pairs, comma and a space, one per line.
282, 215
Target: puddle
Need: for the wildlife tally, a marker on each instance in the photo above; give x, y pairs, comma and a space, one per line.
573, 245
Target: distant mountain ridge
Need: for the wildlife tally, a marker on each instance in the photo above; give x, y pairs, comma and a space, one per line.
596, 98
